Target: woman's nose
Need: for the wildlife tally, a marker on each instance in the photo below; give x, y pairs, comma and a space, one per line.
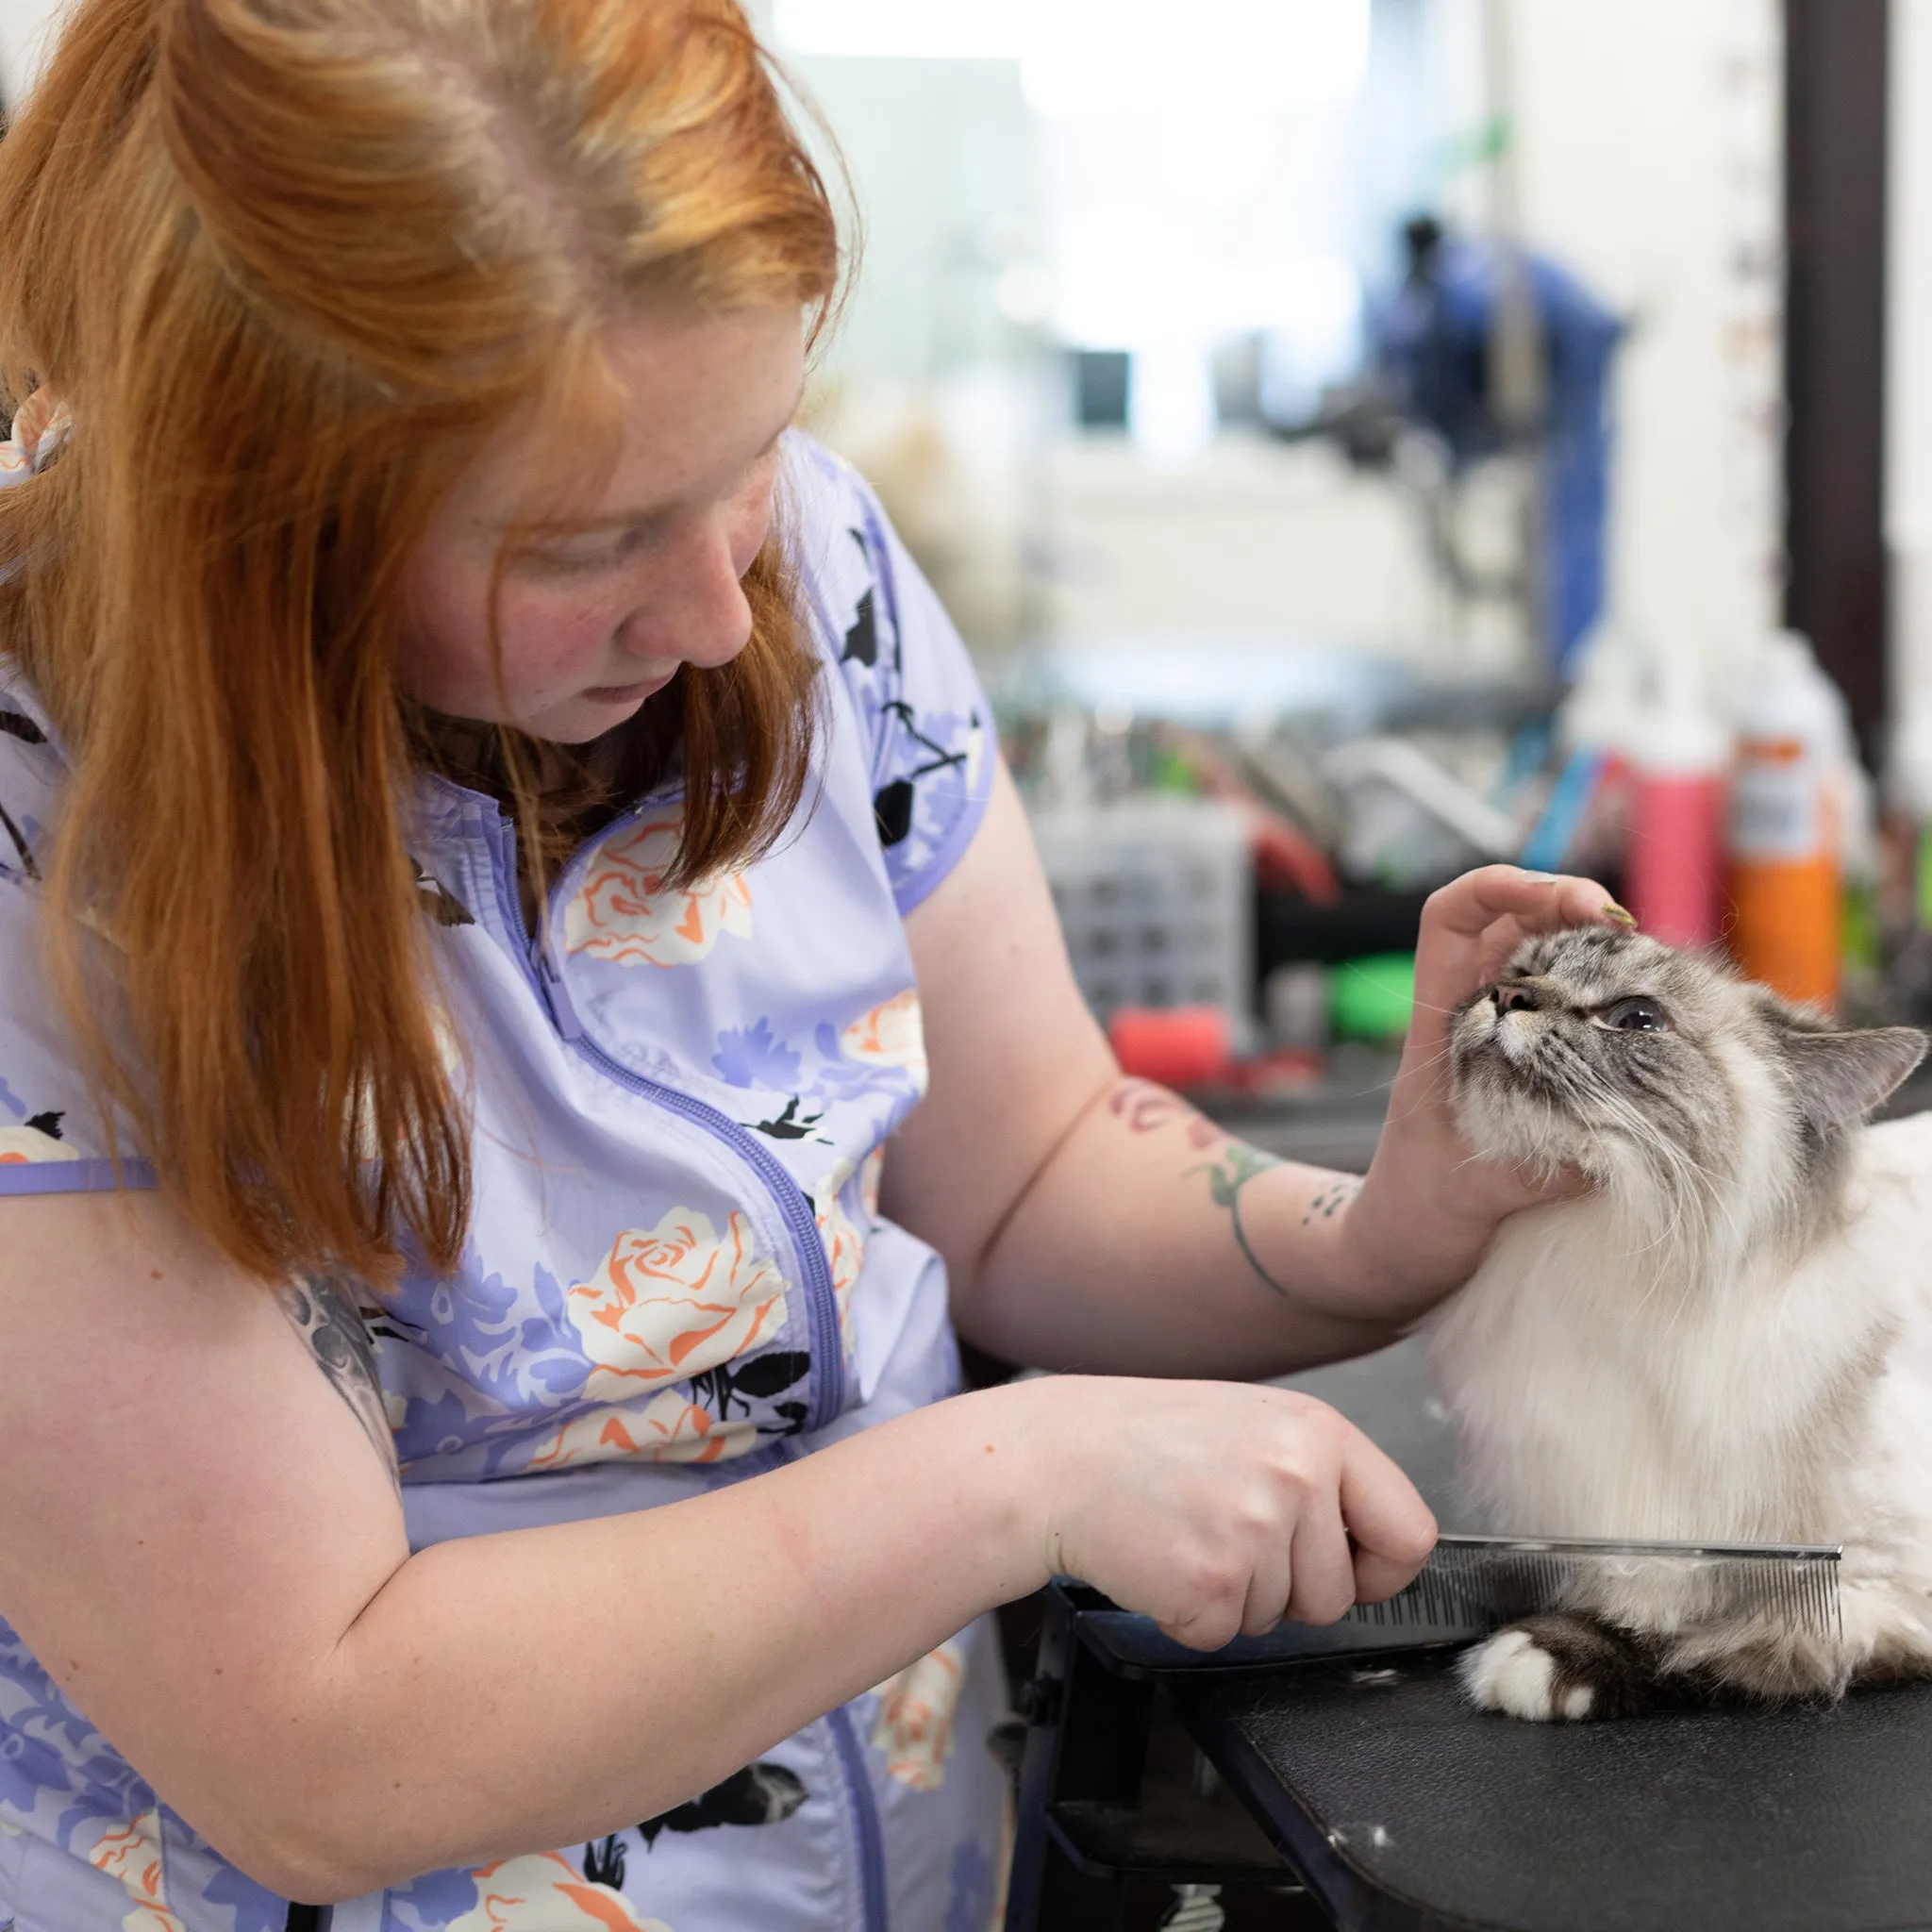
706, 622
1515, 999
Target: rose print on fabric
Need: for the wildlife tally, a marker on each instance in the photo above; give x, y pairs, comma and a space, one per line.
623, 911
891, 1035
131, 1853
872, 1172
915, 1721
669, 1427
38, 1138
844, 1242
41, 424
672, 1302
540, 1891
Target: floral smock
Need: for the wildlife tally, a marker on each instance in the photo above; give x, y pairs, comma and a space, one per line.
676, 1275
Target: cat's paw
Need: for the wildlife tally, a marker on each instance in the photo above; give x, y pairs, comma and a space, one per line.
1566, 1665
1513, 1674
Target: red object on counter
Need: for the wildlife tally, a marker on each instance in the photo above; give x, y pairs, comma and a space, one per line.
1673, 863
1673, 873
1178, 1046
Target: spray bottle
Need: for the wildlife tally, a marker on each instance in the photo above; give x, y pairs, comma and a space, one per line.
1786, 839
1674, 862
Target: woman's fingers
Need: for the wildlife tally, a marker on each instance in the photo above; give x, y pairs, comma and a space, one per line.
1539, 902
1393, 1529
1470, 926
1269, 1589
1322, 1581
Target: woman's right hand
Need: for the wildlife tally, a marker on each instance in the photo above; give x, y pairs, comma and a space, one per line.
1216, 1508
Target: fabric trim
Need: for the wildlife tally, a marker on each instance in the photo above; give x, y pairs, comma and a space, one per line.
75, 1176
931, 875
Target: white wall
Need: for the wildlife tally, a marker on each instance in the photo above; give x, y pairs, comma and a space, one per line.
1651, 164
1908, 401
25, 29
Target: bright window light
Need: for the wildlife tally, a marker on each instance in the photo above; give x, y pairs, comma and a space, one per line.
1082, 58
903, 29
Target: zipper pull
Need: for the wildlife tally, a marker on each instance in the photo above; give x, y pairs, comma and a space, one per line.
556, 995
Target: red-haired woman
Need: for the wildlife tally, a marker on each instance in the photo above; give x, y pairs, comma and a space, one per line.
494, 831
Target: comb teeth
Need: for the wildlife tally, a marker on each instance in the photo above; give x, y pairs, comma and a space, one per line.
1483, 1581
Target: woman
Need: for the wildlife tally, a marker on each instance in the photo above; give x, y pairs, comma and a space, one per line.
485, 809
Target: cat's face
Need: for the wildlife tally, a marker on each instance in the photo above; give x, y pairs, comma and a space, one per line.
1651, 1068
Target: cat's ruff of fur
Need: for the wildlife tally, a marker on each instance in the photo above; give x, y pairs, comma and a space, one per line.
1729, 1340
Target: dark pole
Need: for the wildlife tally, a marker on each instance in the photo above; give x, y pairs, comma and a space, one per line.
1835, 119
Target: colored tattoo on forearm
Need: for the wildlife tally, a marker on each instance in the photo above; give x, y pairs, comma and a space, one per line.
1237, 1166
1144, 1108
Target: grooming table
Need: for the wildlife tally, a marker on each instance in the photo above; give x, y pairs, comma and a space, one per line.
1349, 1775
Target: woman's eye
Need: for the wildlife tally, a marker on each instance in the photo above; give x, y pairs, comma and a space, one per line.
564, 563
605, 555
1637, 1016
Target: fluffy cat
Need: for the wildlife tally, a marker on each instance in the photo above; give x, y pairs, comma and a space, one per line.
1729, 1339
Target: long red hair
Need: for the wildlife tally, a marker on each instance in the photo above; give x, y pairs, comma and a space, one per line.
291, 263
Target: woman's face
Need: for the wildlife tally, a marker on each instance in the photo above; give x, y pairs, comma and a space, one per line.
596, 618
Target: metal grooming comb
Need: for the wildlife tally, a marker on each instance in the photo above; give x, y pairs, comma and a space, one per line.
1487, 1580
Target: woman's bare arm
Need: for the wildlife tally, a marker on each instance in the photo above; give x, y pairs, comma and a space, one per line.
1099, 1222
202, 1539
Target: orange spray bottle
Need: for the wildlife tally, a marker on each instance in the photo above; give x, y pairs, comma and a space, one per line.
1784, 883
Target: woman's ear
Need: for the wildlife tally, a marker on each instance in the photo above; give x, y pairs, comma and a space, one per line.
1837, 1078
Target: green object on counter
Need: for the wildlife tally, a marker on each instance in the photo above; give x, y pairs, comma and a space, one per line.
1923, 907
1172, 774
1372, 998
1862, 941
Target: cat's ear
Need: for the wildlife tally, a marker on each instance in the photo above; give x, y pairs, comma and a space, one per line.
1839, 1077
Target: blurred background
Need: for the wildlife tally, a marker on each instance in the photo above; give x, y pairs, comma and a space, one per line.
1359, 439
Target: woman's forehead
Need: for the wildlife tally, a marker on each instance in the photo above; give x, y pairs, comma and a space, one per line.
677, 405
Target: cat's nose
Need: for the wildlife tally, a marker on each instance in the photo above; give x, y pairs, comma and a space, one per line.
1515, 999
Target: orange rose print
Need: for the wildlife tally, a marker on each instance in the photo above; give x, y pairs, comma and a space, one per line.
915, 1721
672, 1303
540, 1891
623, 912
18, 1146
667, 1429
132, 1854
891, 1035
845, 1243
40, 423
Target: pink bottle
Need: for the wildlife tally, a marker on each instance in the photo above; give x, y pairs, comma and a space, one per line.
1673, 863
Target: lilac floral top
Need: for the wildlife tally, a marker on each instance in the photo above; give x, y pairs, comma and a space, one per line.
677, 1276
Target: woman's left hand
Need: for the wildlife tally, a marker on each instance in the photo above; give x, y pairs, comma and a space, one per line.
1428, 1205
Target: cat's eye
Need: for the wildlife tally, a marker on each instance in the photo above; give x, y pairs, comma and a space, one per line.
1640, 1015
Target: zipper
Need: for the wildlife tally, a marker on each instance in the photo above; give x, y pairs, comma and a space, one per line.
822, 1307
827, 1351
865, 1817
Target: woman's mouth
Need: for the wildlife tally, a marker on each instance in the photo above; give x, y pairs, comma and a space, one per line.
628, 694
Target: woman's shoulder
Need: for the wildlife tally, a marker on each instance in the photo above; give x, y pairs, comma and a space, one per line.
927, 725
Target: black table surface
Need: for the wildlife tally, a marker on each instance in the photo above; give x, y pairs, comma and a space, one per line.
1407, 1810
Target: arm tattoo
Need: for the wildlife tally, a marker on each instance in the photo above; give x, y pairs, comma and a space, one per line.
1235, 1166
323, 1313
1335, 1195
1145, 1108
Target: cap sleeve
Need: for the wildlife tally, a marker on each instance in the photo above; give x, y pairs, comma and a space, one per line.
929, 726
